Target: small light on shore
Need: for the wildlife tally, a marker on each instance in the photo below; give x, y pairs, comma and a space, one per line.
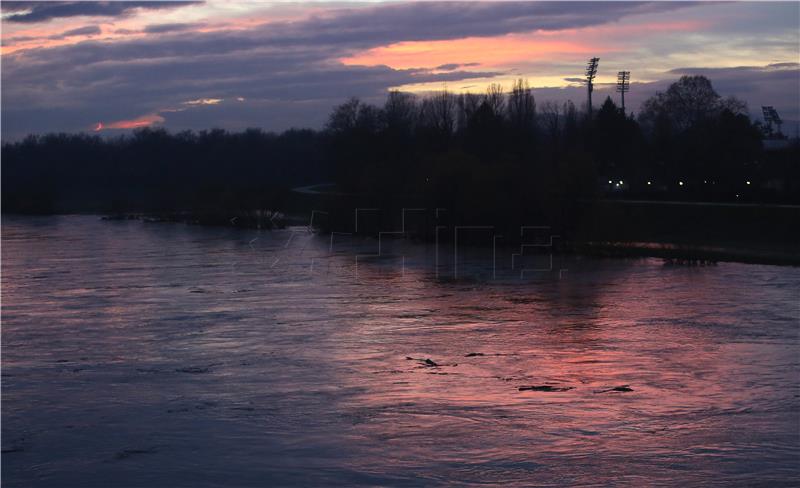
609, 182
748, 182
620, 182
680, 183
649, 183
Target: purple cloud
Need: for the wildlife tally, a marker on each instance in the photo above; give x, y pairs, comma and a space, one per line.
29, 12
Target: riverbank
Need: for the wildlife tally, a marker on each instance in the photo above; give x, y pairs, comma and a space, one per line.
681, 232
248, 219
691, 255
684, 233
691, 231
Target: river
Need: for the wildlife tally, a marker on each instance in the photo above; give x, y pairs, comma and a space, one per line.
144, 354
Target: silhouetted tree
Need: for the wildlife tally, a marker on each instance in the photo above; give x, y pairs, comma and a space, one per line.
699, 137
616, 143
687, 102
400, 112
439, 113
521, 107
344, 117
468, 104
495, 99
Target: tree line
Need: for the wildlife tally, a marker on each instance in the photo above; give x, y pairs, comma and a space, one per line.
500, 155
154, 170
480, 155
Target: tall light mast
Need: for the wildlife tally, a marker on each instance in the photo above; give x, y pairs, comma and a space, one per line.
591, 72
623, 85
771, 117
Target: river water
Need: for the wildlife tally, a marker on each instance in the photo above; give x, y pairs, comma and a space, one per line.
138, 354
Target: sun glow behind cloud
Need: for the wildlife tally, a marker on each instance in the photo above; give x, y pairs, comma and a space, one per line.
486, 52
543, 57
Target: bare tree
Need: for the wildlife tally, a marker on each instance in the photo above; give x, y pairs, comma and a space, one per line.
552, 118
468, 104
735, 106
439, 111
345, 116
570, 118
521, 108
400, 111
495, 98
370, 119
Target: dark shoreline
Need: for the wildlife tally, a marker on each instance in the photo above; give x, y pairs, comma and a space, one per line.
674, 253
689, 254
253, 219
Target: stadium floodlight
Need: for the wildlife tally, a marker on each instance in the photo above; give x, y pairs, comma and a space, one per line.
623, 85
771, 117
591, 72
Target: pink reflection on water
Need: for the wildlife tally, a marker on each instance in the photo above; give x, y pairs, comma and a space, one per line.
673, 336
184, 343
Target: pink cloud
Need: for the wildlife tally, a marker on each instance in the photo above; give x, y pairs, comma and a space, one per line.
144, 121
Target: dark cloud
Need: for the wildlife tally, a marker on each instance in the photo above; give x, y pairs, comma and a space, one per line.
454, 66
448, 67
450, 20
18, 39
350, 30
88, 30
775, 84
161, 28
29, 12
746, 78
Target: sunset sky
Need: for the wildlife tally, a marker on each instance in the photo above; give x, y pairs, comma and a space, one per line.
111, 66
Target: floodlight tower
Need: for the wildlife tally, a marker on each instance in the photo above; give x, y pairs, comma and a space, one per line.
765, 111
623, 85
771, 117
776, 119
591, 72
